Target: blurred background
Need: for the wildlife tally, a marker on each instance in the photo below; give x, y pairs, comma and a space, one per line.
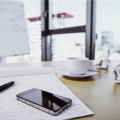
72, 13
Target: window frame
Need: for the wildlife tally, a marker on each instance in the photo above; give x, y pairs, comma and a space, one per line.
89, 29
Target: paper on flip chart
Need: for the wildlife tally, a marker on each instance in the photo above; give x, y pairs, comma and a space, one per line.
12, 109
21, 71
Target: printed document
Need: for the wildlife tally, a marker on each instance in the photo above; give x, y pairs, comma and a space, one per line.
12, 109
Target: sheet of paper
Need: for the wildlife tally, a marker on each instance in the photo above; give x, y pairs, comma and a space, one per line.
21, 71
12, 109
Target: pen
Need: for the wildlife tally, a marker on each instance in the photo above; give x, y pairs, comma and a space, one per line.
5, 86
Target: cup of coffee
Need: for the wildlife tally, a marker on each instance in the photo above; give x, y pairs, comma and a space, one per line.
77, 66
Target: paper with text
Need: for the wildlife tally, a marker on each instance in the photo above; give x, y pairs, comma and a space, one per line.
12, 109
14, 38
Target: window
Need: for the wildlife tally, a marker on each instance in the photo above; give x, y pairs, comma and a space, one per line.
54, 23
68, 45
60, 18
107, 26
68, 13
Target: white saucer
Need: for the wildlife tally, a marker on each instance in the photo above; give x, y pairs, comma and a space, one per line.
89, 73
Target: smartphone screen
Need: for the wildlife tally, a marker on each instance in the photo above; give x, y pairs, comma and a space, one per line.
50, 101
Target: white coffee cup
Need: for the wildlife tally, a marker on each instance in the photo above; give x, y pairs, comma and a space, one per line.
77, 65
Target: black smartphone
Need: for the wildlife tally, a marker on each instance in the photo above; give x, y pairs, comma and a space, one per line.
45, 101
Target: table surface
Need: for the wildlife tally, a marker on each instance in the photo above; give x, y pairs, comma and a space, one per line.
99, 92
